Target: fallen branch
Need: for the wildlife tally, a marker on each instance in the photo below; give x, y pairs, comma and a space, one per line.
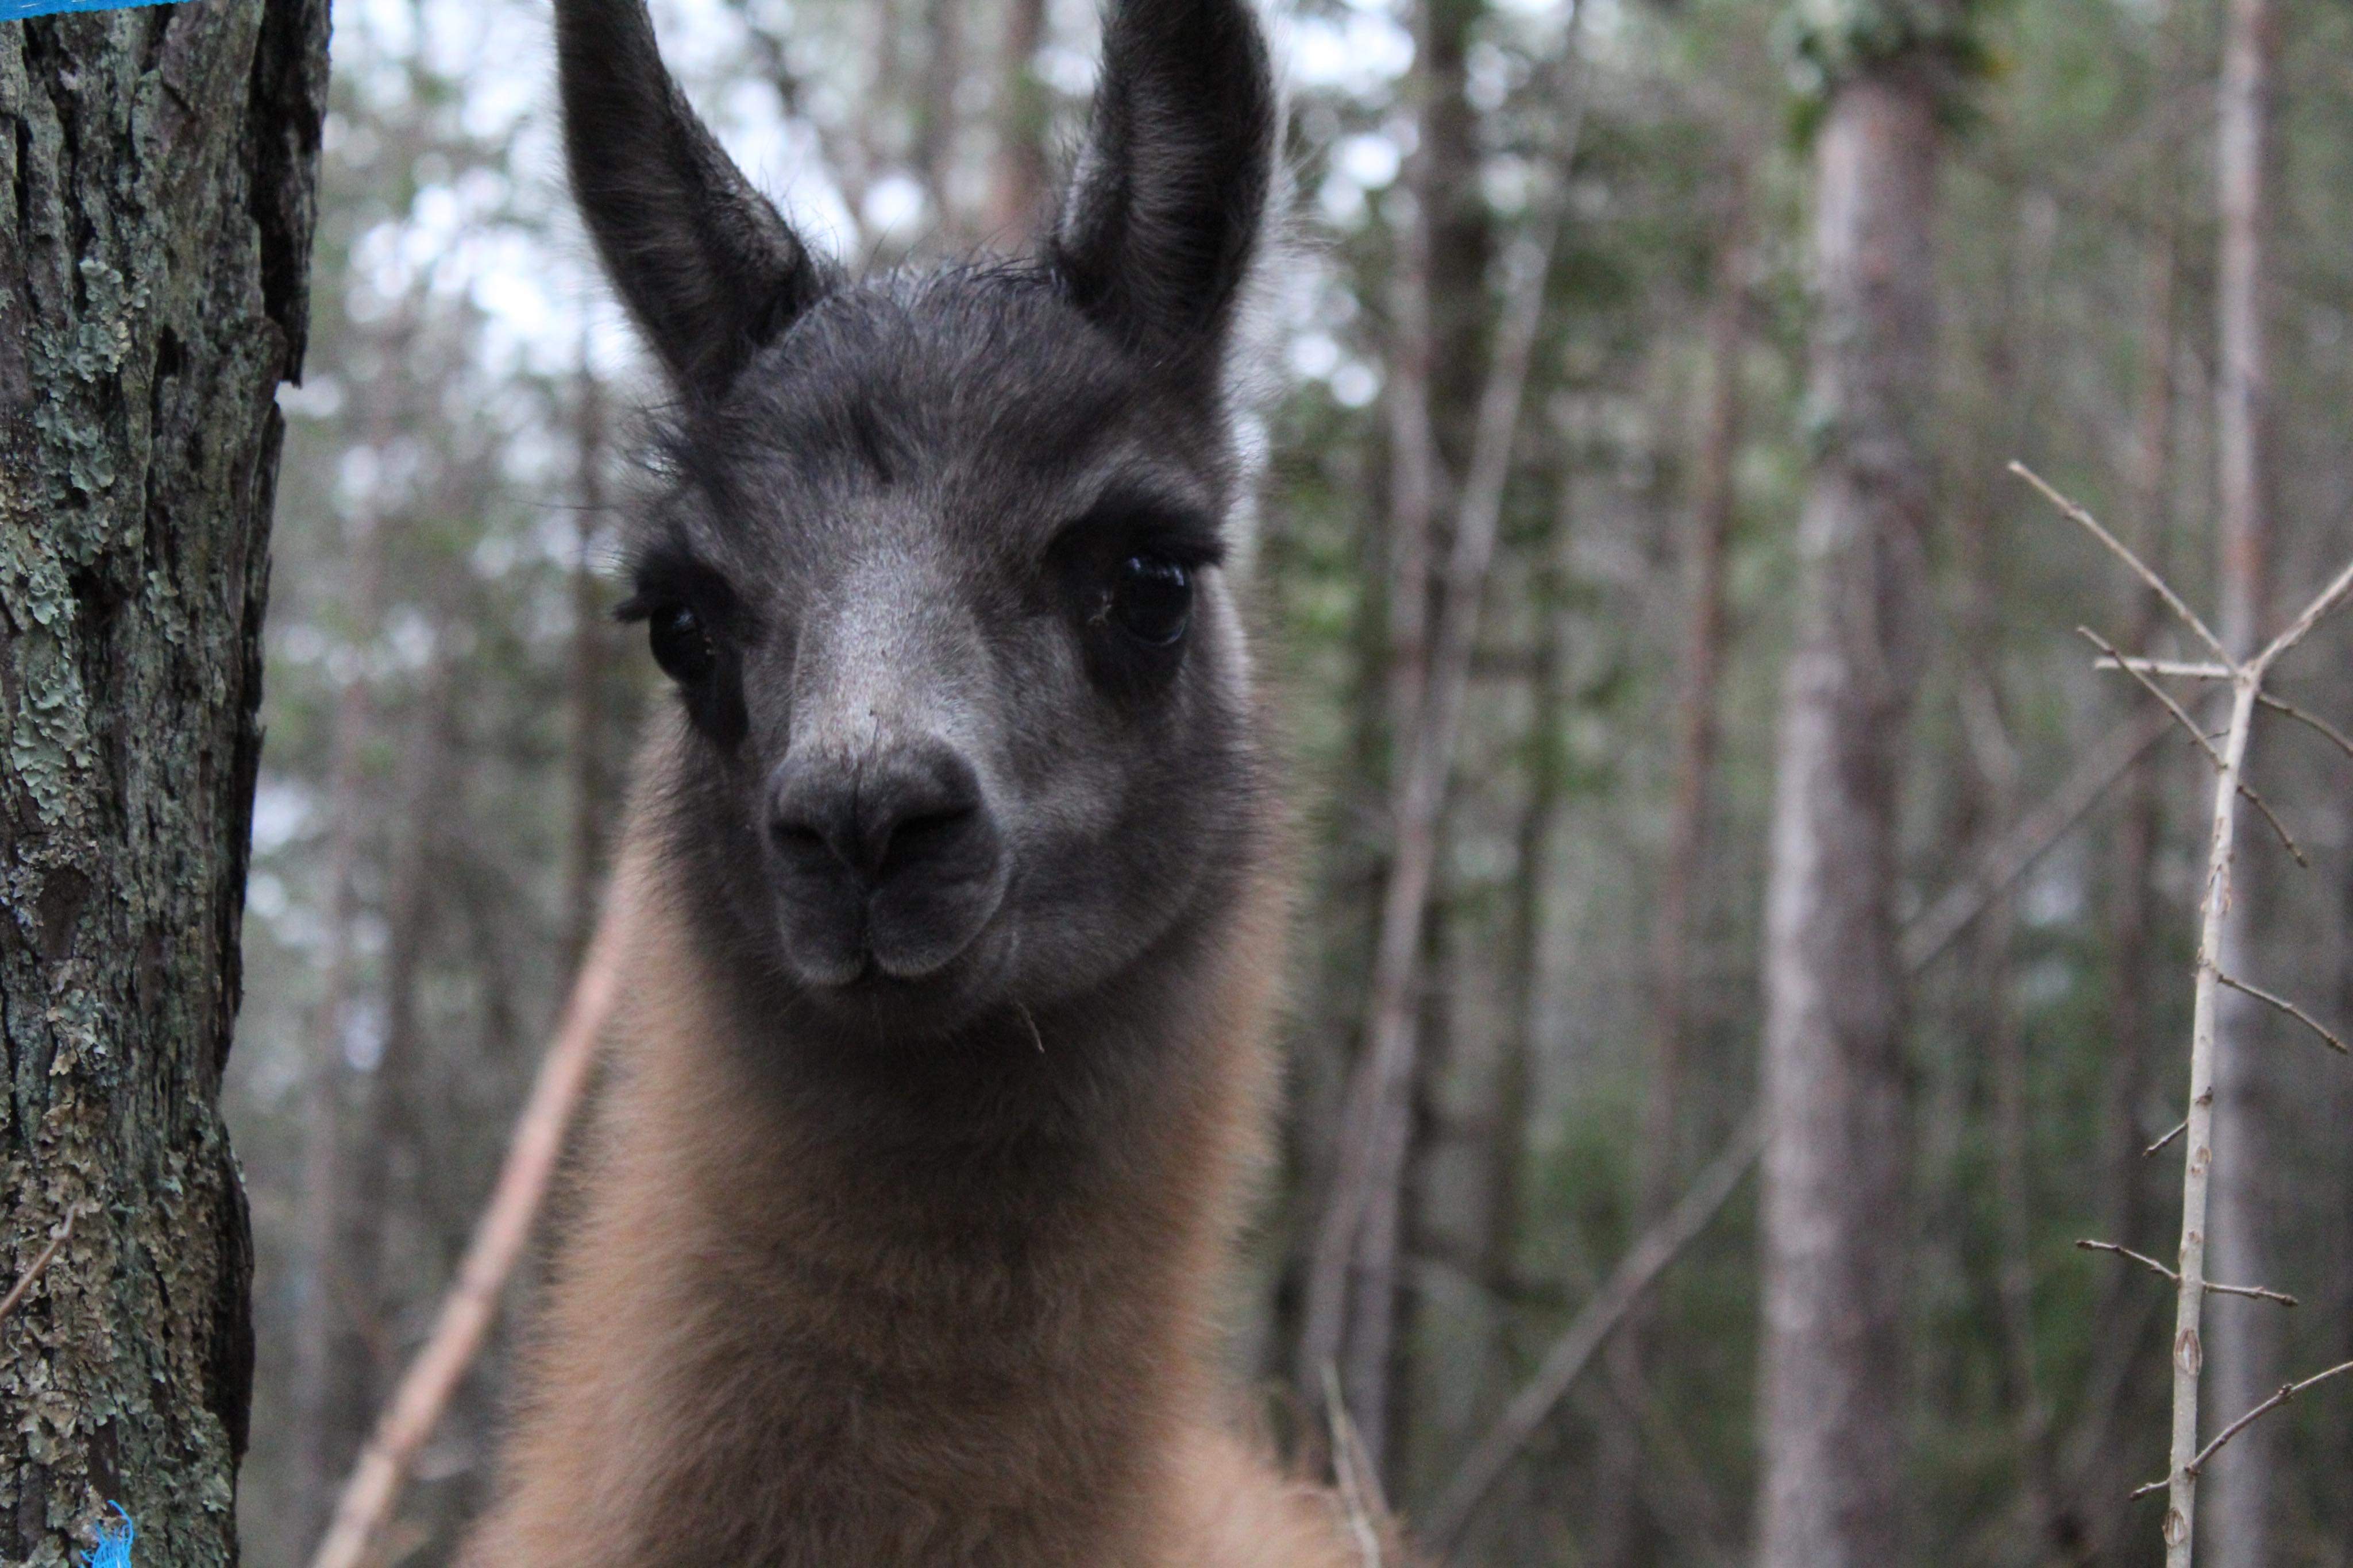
1573, 1349
48, 1255
472, 1303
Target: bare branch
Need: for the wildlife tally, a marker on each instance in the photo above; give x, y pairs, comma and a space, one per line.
48, 1255
2159, 1146
2337, 736
2127, 1252
2186, 670
2252, 1292
2286, 1006
2164, 590
2287, 1390
2118, 660
2331, 599
2113, 660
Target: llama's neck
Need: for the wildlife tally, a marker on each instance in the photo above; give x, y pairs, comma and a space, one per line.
999, 1315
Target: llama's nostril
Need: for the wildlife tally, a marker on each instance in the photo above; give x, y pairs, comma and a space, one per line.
899, 813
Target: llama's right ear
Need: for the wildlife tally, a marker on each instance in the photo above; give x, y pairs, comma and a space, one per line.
705, 263
1163, 217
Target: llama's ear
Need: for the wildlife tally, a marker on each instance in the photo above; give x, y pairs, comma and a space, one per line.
1172, 188
704, 262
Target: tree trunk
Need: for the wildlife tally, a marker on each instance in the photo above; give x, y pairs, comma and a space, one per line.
1438, 301
155, 255
1016, 195
1835, 1166
2241, 1344
591, 636
937, 121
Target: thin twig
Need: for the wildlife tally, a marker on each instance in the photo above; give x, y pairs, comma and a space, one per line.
2184, 668
2112, 659
2287, 1390
2331, 598
2342, 742
2289, 1007
472, 1303
2118, 660
2252, 1292
48, 1255
2159, 1146
1348, 1469
2164, 590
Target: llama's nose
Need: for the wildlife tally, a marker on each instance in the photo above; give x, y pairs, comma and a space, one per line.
909, 808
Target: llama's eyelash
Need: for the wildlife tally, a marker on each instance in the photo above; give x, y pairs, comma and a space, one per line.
1137, 526
668, 576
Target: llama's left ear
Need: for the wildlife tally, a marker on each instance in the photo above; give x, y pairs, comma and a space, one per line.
706, 265
1172, 190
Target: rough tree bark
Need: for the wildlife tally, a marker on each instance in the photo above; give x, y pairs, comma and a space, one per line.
154, 259
2241, 1344
1835, 1165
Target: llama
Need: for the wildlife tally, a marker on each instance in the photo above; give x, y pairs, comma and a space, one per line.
956, 874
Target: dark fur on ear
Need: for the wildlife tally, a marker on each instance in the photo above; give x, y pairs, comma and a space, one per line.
705, 263
1164, 215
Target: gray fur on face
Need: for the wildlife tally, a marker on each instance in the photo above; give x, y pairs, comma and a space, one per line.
920, 543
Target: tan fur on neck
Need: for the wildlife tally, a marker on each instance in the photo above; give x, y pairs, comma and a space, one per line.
756, 1353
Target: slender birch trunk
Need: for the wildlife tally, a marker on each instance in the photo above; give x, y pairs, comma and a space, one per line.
1835, 1166
2242, 1340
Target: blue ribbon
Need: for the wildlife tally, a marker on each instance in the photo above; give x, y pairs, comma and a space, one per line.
113, 1548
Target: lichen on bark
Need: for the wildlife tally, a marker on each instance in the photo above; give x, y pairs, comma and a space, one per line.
160, 163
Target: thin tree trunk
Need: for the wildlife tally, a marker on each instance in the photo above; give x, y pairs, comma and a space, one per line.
324, 1289
1622, 1532
1017, 196
163, 163
591, 802
2096, 1484
937, 121
2243, 1346
1436, 298
360, 1350
1702, 670
1837, 1123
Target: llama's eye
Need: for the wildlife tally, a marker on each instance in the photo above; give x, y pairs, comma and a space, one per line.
680, 644
1152, 599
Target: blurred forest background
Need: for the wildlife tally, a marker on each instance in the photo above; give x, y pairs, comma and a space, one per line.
450, 713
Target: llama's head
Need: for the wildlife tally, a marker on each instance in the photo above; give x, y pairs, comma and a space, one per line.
935, 567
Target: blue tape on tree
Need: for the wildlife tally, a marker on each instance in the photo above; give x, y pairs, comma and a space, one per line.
17, 10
